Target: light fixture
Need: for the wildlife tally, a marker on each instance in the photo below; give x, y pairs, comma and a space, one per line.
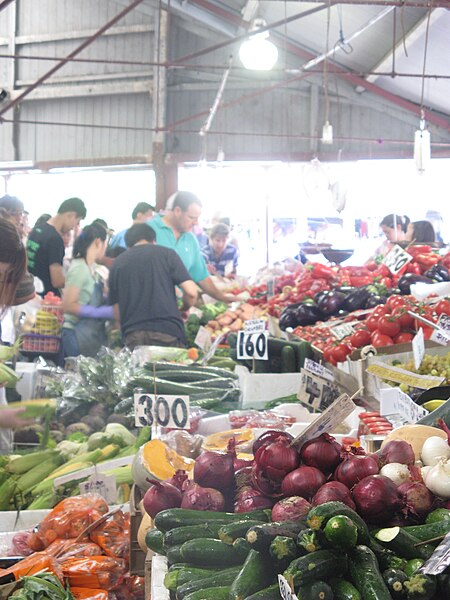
422, 146
258, 53
327, 133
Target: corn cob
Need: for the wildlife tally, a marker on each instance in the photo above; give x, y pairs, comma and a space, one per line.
123, 493
8, 376
35, 408
27, 481
7, 491
43, 501
23, 464
108, 452
47, 484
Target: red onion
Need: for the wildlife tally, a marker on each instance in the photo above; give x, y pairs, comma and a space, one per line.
418, 498
304, 482
331, 491
268, 437
376, 498
241, 463
266, 486
180, 480
215, 470
354, 468
251, 500
398, 520
396, 451
277, 459
322, 452
202, 498
160, 496
290, 509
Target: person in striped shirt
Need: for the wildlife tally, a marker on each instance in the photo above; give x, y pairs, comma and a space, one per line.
221, 257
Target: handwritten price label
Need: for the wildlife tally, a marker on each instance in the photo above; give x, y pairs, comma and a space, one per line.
165, 411
101, 484
396, 259
252, 345
285, 589
442, 336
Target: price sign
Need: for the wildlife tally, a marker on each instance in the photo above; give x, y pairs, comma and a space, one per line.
165, 411
394, 401
252, 345
285, 589
342, 331
203, 339
316, 392
317, 369
418, 347
101, 484
254, 325
442, 335
396, 259
439, 560
391, 373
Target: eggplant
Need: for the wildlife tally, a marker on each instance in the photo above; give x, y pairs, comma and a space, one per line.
288, 319
405, 282
318, 297
331, 303
374, 300
307, 314
356, 300
438, 273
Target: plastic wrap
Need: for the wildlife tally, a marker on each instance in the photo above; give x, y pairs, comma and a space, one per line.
81, 593
98, 572
132, 588
19, 544
62, 550
183, 442
113, 536
36, 562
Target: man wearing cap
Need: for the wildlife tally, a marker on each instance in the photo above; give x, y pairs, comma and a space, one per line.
174, 230
142, 213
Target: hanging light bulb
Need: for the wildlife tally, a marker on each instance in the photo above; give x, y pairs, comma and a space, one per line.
422, 146
327, 133
258, 53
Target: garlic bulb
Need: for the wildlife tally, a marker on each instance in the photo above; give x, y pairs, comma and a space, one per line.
437, 479
397, 472
433, 449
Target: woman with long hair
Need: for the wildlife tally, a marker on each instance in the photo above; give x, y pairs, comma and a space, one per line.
85, 312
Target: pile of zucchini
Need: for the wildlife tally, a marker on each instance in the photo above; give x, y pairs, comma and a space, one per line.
207, 386
331, 554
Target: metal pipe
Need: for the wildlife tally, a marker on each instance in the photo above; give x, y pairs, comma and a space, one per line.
397, 3
77, 50
214, 108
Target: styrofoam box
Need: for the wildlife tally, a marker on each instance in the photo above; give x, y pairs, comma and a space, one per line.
159, 570
27, 382
257, 389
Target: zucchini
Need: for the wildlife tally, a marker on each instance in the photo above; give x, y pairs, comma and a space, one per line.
179, 535
317, 590
344, 590
269, 593
211, 552
438, 514
288, 360
229, 532
214, 593
430, 531
242, 545
403, 543
225, 577
175, 579
311, 540
189, 376
413, 565
386, 558
260, 536
319, 515
163, 366
253, 576
154, 540
322, 564
366, 575
179, 517
394, 579
341, 532
420, 587
173, 555
217, 383
283, 549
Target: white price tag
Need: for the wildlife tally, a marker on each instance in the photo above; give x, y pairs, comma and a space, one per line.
101, 484
394, 401
229, 268
342, 331
203, 339
252, 345
396, 259
316, 392
254, 325
165, 411
317, 369
285, 589
442, 336
418, 347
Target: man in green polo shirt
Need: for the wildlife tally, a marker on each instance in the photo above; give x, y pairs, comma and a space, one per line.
174, 230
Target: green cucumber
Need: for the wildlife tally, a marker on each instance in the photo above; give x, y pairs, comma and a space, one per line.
322, 564
260, 536
253, 576
344, 590
403, 543
420, 587
229, 532
179, 517
341, 532
413, 565
386, 558
211, 552
317, 590
241, 545
174, 555
288, 360
179, 577
431, 531
366, 575
269, 593
319, 515
179, 535
395, 579
283, 549
189, 376
224, 577
154, 540
439, 514
214, 593
311, 540
217, 383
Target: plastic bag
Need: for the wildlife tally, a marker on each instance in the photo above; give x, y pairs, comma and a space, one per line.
98, 572
146, 354
183, 442
31, 565
113, 536
62, 550
19, 544
81, 593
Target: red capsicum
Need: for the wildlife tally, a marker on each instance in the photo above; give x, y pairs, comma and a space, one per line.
319, 271
427, 260
415, 250
414, 267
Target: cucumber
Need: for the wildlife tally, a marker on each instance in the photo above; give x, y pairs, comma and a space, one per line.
225, 577
366, 575
154, 540
341, 532
288, 360
229, 532
179, 535
260, 536
269, 593
163, 366
174, 555
253, 576
214, 593
283, 549
179, 517
215, 383
175, 579
322, 564
386, 558
319, 515
344, 590
420, 587
413, 565
211, 552
189, 376
311, 540
430, 531
317, 590
241, 545
394, 579
403, 543
439, 514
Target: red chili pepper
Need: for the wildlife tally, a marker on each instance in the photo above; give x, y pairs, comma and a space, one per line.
427, 260
319, 271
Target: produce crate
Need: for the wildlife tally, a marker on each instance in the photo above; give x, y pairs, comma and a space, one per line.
41, 344
49, 320
137, 557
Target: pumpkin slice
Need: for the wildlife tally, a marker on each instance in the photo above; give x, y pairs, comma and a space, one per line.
156, 460
218, 442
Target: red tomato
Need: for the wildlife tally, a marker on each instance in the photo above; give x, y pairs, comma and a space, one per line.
388, 326
401, 315
379, 311
403, 338
442, 307
395, 301
340, 352
359, 338
372, 323
379, 339
327, 354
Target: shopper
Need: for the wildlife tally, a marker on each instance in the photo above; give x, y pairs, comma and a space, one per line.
174, 230
394, 227
46, 246
420, 232
221, 257
142, 213
16, 211
84, 306
142, 287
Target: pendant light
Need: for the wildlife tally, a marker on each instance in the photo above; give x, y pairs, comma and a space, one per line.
258, 53
422, 139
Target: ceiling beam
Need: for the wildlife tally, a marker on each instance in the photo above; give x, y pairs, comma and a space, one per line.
85, 90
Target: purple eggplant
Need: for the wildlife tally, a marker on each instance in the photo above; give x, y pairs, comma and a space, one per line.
438, 273
288, 319
405, 282
307, 314
356, 300
331, 303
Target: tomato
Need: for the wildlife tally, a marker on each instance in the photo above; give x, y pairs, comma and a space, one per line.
327, 354
372, 323
379, 311
403, 338
340, 352
380, 339
359, 338
388, 326
442, 307
402, 317
395, 301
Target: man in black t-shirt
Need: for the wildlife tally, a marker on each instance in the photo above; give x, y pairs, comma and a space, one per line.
45, 247
142, 284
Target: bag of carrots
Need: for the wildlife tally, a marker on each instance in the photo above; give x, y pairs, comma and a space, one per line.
64, 549
31, 565
89, 594
97, 572
113, 536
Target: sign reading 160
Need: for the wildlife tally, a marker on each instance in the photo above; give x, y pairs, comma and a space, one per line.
252, 345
